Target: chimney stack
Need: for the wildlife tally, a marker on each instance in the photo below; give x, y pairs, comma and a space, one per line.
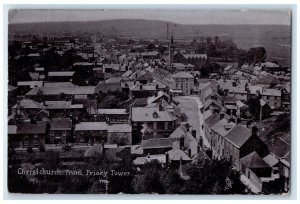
167, 159
201, 141
254, 131
190, 153
222, 115
194, 133
181, 143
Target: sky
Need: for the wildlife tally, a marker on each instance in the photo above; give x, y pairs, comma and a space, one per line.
280, 17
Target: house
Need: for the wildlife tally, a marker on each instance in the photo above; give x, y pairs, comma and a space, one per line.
83, 65
60, 130
90, 132
208, 123
154, 122
55, 93
176, 157
120, 134
218, 133
146, 90
60, 76
28, 134
240, 141
286, 97
183, 81
254, 168
113, 115
141, 161
158, 145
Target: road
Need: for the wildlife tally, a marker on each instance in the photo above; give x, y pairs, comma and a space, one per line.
190, 105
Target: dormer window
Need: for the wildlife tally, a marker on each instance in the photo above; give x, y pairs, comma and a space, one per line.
155, 115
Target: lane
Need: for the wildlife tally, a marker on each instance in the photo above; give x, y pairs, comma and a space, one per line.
191, 105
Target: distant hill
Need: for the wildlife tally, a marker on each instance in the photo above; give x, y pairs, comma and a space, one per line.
275, 38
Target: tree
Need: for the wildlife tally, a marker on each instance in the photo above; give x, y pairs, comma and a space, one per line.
150, 179
40, 95
151, 47
254, 107
80, 77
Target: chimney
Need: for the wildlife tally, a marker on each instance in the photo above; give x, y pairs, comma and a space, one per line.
194, 133
171, 98
160, 107
181, 143
167, 159
222, 115
201, 141
187, 126
254, 131
198, 148
190, 153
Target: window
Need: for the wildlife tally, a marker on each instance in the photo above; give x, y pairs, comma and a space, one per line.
35, 143
25, 143
64, 133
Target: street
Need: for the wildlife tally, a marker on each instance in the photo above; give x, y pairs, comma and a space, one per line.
190, 105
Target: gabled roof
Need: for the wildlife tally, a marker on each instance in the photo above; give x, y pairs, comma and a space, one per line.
211, 120
11, 88
177, 155
270, 160
253, 161
179, 132
238, 135
144, 114
219, 127
28, 104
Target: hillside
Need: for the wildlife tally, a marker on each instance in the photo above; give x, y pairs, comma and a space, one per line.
275, 38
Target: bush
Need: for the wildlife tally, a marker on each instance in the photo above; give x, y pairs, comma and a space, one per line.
42, 148
29, 150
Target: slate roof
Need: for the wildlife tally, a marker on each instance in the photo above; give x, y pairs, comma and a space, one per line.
28, 104
60, 124
112, 111
182, 75
142, 114
253, 161
270, 160
65, 73
161, 158
58, 84
211, 120
28, 128
119, 128
158, 143
219, 127
86, 126
238, 135
78, 90
177, 155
